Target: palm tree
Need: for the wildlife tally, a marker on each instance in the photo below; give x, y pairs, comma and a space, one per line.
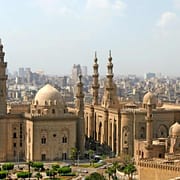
90, 153
109, 171
115, 166
129, 169
73, 154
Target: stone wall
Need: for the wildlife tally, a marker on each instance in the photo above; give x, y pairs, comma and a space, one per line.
157, 171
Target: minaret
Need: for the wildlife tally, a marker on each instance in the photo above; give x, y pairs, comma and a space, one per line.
110, 97
80, 113
109, 75
149, 130
3, 78
95, 84
80, 98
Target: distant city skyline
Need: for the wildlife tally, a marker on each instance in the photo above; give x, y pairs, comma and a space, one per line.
52, 35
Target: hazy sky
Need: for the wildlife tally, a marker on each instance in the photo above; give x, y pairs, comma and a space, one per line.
52, 35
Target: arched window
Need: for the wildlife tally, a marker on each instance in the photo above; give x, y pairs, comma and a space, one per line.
53, 111
14, 135
162, 131
43, 140
64, 139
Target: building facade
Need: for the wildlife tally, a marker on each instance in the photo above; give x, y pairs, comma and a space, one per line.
44, 130
120, 124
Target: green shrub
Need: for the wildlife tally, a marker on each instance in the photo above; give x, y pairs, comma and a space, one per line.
24, 174
3, 174
8, 166
69, 174
95, 176
51, 172
37, 165
55, 167
38, 175
64, 170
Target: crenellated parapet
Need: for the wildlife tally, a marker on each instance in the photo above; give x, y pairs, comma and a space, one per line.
167, 165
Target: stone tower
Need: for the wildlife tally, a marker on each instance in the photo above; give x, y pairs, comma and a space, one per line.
110, 95
149, 130
3, 78
80, 112
95, 84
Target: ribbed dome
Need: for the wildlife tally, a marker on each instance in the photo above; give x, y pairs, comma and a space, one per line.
149, 98
48, 95
175, 129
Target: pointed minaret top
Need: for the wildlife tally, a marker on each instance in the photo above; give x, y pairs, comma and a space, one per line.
80, 78
95, 57
110, 58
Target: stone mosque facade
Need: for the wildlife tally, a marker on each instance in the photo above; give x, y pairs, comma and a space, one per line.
47, 131
143, 131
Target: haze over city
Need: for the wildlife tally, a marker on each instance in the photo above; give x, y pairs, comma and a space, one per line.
52, 35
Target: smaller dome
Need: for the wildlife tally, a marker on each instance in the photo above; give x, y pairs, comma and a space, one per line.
175, 129
149, 98
48, 95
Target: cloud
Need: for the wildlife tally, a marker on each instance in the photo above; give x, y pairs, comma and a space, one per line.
109, 7
167, 19
167, 26
78, 8
55, 7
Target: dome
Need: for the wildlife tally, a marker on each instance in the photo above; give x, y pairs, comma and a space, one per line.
175, 129
149, 98
48, 95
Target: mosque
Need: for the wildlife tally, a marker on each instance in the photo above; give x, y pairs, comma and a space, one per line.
145, 131
47, 131
44, 131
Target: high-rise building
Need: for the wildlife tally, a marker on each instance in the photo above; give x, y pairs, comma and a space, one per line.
76, 71
21, 72
149, 75
84, 71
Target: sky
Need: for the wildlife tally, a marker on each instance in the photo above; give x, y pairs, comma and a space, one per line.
52, 35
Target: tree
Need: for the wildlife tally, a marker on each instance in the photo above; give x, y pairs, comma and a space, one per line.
109, 171
51, 173
90, 154
38, 175
95, 176
73, 154
129, 169
114, 167
127, 166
